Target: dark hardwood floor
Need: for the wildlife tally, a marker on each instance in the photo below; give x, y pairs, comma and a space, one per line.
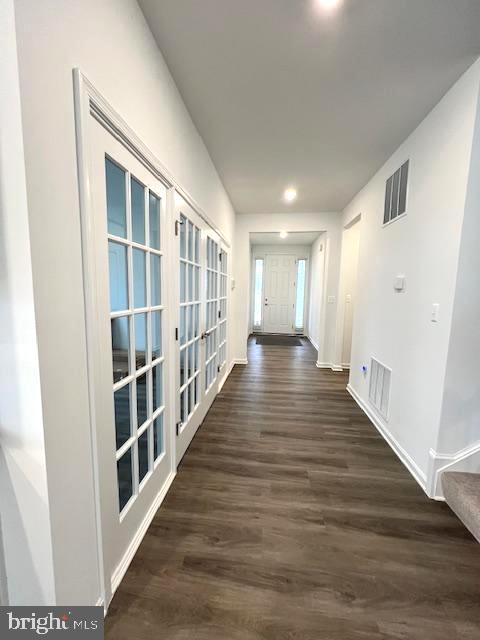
291, 519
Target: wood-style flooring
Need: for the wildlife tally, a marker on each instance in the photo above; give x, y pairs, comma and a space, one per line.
291, 519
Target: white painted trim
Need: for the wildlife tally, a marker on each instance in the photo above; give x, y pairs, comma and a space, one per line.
324, 365
124, 563
404, 457
466, 460
225, 377
102, 111
89, 102
328, 365
240, 361
80, 96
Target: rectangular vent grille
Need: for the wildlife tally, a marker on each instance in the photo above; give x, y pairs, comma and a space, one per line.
379, 391
396, 194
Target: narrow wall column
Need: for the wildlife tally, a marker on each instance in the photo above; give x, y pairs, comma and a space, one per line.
24, 508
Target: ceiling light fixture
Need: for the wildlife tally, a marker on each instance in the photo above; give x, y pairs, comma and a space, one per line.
283, 234
328, 5
290, 194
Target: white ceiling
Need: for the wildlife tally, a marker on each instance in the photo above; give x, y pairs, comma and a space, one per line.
284, 94
296, 237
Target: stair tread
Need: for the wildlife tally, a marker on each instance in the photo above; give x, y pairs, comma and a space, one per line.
462, 493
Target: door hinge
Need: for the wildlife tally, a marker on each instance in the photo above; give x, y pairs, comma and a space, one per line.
219, 313
219, 369
176, 333
177, 224
220, 256
177, 427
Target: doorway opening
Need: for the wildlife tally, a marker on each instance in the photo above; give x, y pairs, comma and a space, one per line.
281, 282
348, 287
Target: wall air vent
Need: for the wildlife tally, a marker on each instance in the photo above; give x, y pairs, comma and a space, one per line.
379, 391
396, 194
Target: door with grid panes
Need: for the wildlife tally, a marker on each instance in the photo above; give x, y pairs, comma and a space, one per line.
131, 373
202, 321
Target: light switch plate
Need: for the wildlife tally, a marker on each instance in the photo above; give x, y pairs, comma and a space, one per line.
399, 283
435, 312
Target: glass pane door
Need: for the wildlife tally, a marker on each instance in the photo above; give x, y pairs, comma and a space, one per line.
131, 368
212, 310
189, 335
222, 311
135, 260
199, 333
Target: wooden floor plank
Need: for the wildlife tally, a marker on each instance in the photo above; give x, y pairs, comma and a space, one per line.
291, 519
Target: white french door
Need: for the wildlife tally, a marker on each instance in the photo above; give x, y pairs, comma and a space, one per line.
134, 420
202, 321
279, 294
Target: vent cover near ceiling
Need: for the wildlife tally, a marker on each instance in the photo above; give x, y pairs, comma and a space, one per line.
396, 194
379, 391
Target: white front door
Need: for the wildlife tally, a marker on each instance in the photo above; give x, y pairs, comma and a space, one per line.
133, 416
279, 294
202, 329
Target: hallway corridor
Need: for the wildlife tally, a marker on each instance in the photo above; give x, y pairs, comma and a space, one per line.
290, 518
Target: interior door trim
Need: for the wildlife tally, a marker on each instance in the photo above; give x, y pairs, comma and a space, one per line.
88, 98
90, 103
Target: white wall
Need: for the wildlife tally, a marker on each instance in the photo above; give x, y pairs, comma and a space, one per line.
275, 222
347, 288
26, 569
424, 245
111, 43
460, 419
316, 315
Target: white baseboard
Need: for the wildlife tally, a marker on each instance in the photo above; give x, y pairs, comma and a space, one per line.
142, 529
328, 365
405, 458
225, 377
240, 361
466, 460
345, 365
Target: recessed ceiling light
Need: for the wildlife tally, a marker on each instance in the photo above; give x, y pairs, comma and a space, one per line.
290, 194
328, 5
283, 234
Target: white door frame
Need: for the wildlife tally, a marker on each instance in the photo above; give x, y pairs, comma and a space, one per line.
88, 103
262, 255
